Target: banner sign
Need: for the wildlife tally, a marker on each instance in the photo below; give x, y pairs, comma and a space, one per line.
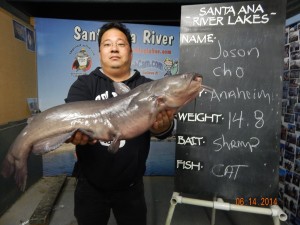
67, 49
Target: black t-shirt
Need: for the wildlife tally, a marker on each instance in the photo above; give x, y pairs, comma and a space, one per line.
102, 169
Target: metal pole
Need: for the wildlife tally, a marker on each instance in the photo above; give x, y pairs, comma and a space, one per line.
213, 215
275, 211
172, 207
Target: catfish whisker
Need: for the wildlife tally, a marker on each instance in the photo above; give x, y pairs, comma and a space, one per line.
206, 89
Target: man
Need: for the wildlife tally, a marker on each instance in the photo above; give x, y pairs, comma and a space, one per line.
112, 181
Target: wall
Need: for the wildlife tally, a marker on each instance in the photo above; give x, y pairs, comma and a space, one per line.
289, 172
18, 74
18, 81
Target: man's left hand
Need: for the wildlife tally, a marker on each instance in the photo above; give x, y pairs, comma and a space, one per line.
163, 121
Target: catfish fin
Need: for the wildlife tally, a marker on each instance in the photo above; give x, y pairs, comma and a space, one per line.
114, 146
51, 143
86, 132
156, 102
160, 101
121, 88
8, 166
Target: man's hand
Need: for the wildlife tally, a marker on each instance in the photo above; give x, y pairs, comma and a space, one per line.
80, 138
163, 121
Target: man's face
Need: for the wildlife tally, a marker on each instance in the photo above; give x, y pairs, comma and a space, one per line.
115, 52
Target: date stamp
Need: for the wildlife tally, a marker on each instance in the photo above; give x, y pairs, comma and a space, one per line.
257, 201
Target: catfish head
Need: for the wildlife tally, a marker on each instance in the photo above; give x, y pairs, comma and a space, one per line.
177, 90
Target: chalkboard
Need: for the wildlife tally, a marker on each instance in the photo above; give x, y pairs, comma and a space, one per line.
227, 141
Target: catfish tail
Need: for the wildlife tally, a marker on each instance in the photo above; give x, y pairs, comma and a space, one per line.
8, 166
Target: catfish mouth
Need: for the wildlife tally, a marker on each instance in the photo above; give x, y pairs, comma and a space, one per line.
194, 87
195, 84
197, 77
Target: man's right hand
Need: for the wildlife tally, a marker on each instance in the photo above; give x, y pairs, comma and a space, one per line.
80, 138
